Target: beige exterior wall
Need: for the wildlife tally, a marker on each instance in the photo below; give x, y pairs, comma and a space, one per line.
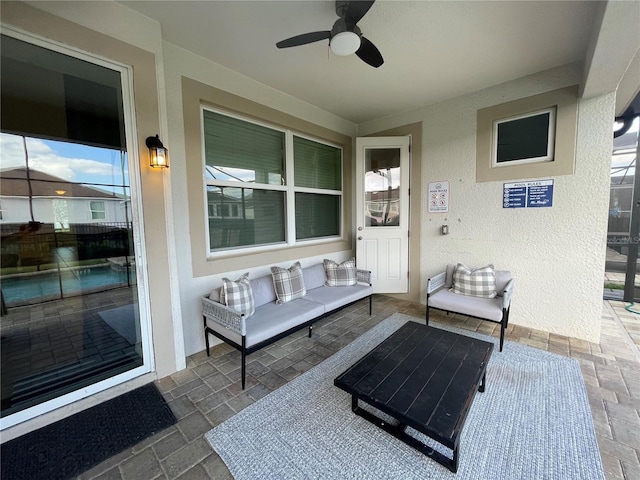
557, 254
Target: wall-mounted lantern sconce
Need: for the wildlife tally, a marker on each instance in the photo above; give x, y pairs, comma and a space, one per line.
158, 154
444, 230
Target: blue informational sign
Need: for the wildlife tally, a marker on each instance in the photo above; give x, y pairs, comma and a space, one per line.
528, 194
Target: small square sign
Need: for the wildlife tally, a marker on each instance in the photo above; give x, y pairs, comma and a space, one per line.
439, 197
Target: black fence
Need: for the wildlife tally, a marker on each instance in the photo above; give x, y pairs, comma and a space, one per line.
36, 243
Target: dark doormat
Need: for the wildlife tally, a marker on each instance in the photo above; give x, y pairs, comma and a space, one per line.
73, 445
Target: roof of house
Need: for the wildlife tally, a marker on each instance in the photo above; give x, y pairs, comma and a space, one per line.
14, 183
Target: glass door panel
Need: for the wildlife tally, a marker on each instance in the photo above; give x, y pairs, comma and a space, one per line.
382, 187
70, 315
622, 273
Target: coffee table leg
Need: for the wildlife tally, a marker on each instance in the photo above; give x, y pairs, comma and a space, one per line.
481, 387
454, 460
354, 403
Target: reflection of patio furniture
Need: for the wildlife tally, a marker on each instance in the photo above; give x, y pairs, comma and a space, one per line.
382, 211
120, 264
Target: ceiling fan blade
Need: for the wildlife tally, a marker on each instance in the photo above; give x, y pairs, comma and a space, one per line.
304, 39
356, 9
368, 53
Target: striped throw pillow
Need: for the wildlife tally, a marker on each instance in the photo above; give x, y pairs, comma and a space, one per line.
288, 283
480, 282
340, 275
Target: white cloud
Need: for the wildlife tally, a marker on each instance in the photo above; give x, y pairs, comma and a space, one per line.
44, 159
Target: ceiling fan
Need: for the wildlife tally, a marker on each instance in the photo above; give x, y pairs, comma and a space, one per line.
345, 37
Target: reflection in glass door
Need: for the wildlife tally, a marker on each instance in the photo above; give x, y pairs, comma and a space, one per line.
382, 187
622, 273
70, 315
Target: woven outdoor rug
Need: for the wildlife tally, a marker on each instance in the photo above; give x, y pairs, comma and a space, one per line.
532, 422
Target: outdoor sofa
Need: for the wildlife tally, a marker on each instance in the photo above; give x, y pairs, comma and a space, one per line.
482, 293
283, 302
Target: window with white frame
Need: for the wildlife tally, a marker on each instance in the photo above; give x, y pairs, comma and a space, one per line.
268, 186
526, 138
98, 211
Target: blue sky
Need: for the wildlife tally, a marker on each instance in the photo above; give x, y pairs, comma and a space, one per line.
69, 161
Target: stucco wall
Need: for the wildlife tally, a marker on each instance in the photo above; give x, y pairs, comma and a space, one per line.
557, 254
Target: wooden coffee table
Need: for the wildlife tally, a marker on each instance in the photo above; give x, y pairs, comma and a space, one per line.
426, 379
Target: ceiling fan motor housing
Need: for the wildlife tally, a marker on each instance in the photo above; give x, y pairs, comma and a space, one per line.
341, 7
341, 26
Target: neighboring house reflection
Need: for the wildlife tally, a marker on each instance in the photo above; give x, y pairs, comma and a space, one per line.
55, 200
42, 214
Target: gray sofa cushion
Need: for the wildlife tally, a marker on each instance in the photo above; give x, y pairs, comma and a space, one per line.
448, 283
488, 308
335, 297
277, 318
502, 278
314, 276
263, 291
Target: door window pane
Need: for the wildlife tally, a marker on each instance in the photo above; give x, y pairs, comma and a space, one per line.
382, 187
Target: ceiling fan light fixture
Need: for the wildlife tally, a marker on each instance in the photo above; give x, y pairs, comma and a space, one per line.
345, 43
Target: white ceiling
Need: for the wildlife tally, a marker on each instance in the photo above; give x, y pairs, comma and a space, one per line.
433, 50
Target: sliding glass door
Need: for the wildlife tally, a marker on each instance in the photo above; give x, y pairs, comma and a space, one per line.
70, 311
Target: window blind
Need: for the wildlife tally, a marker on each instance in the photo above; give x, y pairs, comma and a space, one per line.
237, 150
316, 165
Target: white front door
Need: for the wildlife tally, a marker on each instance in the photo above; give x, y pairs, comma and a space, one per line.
382, 218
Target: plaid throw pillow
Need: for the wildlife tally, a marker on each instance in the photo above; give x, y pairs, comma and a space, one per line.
238, 295
340, 275
288, 283
480, 282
